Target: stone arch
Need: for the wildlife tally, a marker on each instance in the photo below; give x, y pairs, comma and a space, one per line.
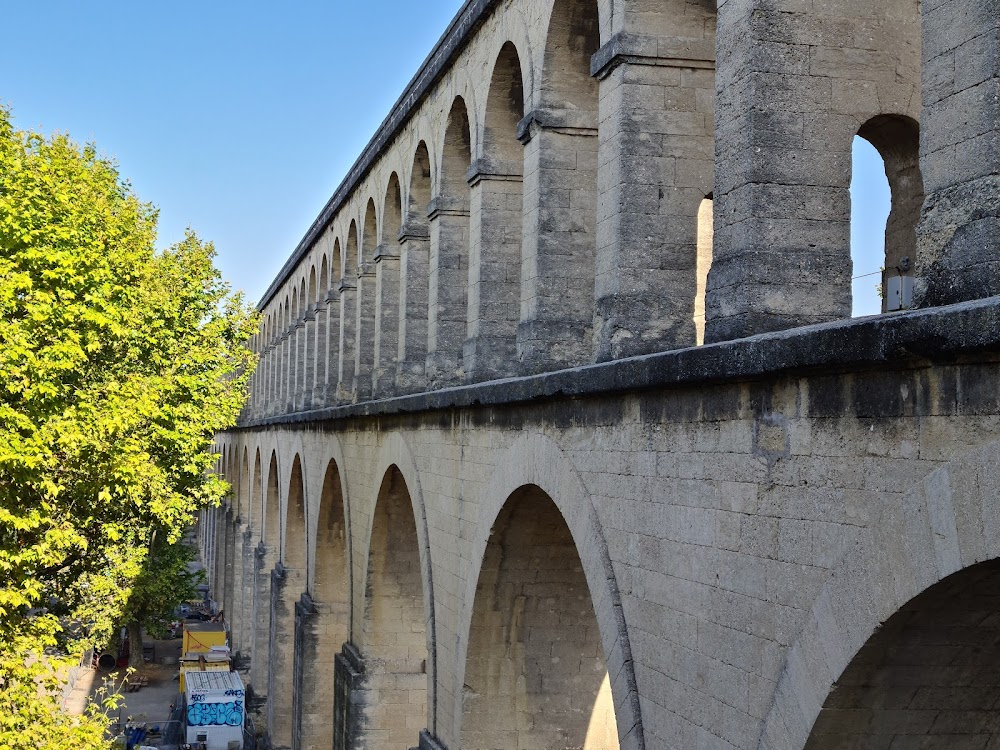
572, 38
366, 300
272, 504
519, 37
324, 275
535, 674
394, 640
293, 537
396, 456
535, 460
897, 140
414, 273
287, 584
392, 211
449, 252
245, 509
560, 238
496, 226
945, 523
266, 557
257, 498
387, 291
323, 615
312, 285
348, 316
420, 186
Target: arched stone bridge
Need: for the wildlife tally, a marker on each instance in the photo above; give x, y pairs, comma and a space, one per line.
493, 489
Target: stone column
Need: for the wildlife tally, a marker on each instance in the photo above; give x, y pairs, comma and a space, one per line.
656, 160
559, 239
319, 347
229, 584
386, 319
446, 290
265, 558
794, 88
305, 360
364, 342
414, 274
318, 627
331, 350
285, 583
497, 205
958, 255
348, 321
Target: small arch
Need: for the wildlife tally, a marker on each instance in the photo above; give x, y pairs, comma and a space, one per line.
324, 275
504, 110
312, 285
337, 270
419, 194
449, 265
887, 190
703, 263
573, 38
293, 541
392, 211
369, 239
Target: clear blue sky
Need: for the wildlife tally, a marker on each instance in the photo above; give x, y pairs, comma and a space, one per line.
237, 119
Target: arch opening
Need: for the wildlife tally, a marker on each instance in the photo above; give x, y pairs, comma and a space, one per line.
348, 316
366, 296
535, 673
449, 253
497, 225
929, 678
559, 242
321, 625
387, 290
887, 195
394, 630
287, 585
414, 274
703, 263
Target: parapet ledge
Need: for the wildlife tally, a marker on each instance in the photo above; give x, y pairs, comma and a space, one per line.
908, 337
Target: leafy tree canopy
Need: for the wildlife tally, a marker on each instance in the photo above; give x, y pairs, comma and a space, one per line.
119, 363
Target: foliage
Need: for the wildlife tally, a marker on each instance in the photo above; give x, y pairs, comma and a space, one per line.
119, 363
164, 583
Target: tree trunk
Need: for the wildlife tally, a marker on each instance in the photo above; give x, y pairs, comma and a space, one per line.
135, 645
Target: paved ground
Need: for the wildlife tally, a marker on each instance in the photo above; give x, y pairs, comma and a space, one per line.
150, 705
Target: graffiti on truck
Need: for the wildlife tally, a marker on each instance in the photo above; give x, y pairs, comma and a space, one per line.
215, 714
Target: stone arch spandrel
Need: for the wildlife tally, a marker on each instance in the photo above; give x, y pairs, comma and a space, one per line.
396, 452
946, 522
537, 460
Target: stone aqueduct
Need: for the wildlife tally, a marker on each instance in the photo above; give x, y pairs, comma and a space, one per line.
533, 460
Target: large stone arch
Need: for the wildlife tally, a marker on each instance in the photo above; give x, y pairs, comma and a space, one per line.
537, 460
396, 453
322, 607
947, 522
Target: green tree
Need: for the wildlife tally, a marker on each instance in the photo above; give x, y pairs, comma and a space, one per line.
119, 363
166, 581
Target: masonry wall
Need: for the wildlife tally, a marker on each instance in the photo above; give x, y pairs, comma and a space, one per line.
719, 529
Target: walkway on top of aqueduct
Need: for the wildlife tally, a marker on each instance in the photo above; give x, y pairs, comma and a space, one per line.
562, 435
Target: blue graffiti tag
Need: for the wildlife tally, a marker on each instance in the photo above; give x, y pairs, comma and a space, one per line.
215, 714
236, 693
